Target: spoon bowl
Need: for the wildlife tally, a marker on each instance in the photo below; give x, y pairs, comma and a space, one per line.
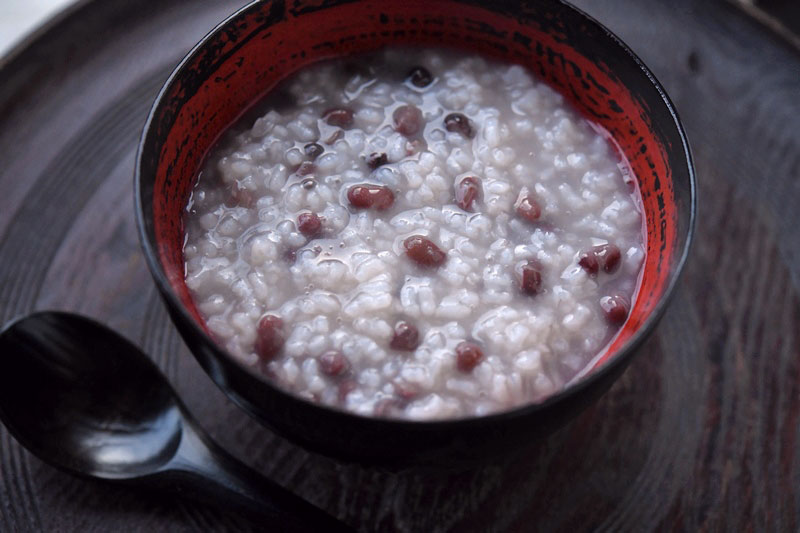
94, 407
87, 401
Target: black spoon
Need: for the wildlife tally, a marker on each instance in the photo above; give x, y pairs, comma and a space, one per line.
87, 401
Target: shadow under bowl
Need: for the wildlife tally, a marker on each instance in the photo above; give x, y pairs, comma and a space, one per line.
245, 56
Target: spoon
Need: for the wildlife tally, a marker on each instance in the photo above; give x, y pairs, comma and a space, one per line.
85, 400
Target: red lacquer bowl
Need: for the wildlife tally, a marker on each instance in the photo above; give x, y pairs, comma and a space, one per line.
250, 52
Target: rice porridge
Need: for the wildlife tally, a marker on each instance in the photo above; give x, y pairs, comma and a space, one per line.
416, 234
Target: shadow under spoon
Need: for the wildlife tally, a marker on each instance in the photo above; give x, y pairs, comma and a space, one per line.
85, 400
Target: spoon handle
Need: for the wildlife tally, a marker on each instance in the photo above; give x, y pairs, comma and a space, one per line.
203, 470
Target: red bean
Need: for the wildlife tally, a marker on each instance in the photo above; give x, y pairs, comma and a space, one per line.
423, 251
313, 150
605, 256
589, 262
309, 224
378, 197
375, 160
270, 337
407, 120
527, 207
406, 337
609, 256
529, 277
616, 308
341, 117
419, 77
459, 123
338, 134
468, 355
333, 363
467, 191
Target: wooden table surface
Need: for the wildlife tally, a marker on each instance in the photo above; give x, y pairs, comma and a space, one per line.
700, 433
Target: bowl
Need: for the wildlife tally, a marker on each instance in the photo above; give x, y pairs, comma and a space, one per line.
251, 51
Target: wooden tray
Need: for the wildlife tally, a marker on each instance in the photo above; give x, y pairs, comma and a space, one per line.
700, 433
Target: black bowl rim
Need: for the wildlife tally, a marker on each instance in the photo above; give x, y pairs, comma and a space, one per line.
571, 390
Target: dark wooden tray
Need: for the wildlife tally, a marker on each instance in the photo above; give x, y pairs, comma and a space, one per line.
700, 433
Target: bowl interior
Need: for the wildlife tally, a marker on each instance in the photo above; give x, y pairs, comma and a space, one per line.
267, 41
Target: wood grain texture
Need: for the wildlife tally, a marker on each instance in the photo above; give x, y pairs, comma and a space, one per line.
701, 433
